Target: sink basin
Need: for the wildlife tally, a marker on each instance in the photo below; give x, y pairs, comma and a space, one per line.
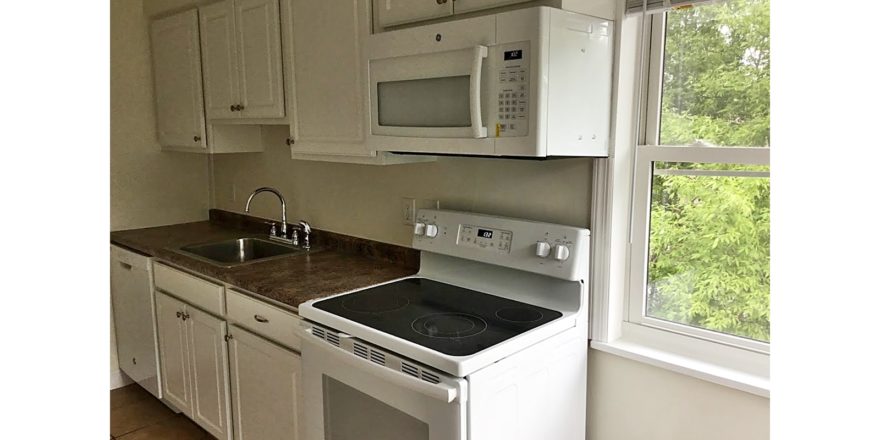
240, 251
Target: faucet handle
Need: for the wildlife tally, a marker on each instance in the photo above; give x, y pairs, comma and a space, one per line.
273, 231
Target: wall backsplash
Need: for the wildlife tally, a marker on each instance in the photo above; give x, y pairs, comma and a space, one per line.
364, 200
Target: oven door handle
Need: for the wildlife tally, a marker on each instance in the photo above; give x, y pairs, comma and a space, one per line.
440, 391
479, 131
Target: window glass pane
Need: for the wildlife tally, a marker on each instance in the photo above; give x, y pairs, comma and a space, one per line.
709, 248
716, 75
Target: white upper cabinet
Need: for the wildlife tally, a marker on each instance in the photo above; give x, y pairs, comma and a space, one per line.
258, 32
241, 45
221, 71
177, 78
462, 6
328, 70
394, 12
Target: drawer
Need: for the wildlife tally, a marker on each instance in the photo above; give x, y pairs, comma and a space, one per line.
262, 318
190, 288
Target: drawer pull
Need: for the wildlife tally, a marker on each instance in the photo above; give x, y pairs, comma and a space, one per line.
260, 318
124, 265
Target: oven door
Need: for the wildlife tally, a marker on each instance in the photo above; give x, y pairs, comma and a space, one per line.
432, 95
346, 397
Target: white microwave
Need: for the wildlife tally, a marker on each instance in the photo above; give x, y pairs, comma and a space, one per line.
533, 82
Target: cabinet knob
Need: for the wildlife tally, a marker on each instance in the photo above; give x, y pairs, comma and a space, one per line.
290, 141
227, 338
197, 138
239, 107
232, 108
179, 314
185, 316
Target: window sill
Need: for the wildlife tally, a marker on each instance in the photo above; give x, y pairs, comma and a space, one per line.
639, 349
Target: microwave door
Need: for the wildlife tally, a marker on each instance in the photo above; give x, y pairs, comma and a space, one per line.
435, 95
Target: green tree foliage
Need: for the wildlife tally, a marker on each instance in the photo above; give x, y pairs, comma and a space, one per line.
709, 263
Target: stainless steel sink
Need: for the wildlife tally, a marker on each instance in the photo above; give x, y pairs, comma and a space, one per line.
240, 251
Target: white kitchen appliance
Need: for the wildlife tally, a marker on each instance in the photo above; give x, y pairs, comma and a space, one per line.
488, 341
533, 82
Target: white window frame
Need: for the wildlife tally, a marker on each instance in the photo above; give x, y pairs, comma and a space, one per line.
621, 325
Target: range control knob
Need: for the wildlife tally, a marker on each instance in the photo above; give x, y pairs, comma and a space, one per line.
419, 229
560, 252
431, 231
542, 249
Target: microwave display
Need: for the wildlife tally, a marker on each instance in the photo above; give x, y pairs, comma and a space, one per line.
513, 55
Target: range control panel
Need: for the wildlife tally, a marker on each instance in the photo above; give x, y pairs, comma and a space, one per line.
512, 117
549, 249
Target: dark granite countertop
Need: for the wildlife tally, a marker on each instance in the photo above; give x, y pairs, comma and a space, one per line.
339, 263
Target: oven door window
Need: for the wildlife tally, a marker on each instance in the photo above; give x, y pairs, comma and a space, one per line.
429, 102
352, 415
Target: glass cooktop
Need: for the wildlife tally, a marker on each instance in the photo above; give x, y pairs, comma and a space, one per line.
439, 316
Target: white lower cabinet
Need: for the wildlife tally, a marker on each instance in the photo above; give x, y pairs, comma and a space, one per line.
265, 382
193, 358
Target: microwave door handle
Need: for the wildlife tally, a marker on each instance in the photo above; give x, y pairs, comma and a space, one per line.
479, 131
440, 391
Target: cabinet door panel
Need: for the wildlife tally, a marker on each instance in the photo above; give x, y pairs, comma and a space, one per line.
210, 372
394, 12
329, 69
258, 26
220, 63
265, 381
173, 352
177, 76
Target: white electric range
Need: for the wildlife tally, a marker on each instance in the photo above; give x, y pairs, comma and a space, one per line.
488, 341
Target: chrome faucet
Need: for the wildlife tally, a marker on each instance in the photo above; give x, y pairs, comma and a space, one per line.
303, 225
272, 234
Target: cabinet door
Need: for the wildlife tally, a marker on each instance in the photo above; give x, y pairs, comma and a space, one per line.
173, 352
219, 60
209, 372
328, 103
265, 382
462, 6
258, 33
394, 12
177, 78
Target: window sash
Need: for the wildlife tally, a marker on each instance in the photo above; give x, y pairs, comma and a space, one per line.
658, 6
646, 156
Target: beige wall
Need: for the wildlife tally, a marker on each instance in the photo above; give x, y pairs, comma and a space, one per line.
147, 187
364, 200
630, 400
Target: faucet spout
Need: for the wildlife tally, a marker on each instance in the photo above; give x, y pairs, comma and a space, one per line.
247, 207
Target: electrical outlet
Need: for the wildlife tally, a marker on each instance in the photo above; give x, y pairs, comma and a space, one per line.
408, 207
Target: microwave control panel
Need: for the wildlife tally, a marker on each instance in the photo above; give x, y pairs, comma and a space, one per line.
513, 89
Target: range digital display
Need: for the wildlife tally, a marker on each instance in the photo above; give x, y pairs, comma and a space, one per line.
485, 233
513, 55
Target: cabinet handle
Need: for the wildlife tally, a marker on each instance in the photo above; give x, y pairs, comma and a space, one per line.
197, 138
260, 318
125, 266
290, 141
179, 314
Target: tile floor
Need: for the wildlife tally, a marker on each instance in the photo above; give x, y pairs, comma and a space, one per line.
136, 415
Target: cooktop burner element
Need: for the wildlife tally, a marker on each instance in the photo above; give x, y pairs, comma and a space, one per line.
519, 314
449, 325
439, 316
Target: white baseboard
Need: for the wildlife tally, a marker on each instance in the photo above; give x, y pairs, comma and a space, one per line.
118, 379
